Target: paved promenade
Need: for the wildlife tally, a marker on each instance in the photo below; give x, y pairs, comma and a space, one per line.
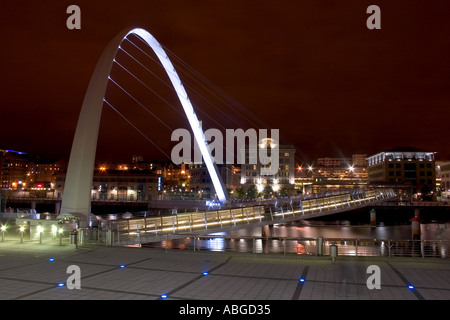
32, 271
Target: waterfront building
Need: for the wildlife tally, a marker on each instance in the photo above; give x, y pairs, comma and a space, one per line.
282, 181
445, 178
413, 172
22, 172
120, 185
200, 181
332, 174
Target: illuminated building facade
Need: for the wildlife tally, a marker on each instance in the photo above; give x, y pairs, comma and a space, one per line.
200, 181
413, 168
445, 178
282, 180
120, 185
329, 174
20, 171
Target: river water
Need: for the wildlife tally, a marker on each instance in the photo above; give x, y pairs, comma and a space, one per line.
302, 238
429, 231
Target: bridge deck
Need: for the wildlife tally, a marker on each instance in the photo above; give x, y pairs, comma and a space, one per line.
142, 230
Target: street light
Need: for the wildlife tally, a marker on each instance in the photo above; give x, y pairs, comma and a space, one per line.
3, 229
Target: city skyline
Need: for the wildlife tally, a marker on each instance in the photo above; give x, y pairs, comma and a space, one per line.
332, 87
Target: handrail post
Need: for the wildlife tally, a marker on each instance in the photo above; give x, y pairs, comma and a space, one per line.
167, 240
139, 237
145, 224
253, 244
173, 225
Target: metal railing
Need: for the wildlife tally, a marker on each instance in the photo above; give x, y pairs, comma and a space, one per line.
278, 245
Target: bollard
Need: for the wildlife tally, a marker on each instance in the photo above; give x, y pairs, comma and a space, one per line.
108, 238
74, 238
333, 251
80, 236
40, 231
319, 246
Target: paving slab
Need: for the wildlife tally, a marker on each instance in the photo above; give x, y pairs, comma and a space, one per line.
32, 271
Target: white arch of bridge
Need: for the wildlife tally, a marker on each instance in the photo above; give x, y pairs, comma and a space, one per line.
77, 190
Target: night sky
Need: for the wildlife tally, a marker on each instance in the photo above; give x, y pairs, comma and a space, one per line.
309, 68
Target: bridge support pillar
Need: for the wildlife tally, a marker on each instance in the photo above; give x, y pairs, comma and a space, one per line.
415, 225
417, 212
57, 207
33, 205
267, 231
373, 218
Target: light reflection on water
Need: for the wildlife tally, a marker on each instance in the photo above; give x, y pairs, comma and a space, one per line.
374, 243
429, 231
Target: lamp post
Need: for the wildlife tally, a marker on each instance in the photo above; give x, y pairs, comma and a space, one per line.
3, 229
